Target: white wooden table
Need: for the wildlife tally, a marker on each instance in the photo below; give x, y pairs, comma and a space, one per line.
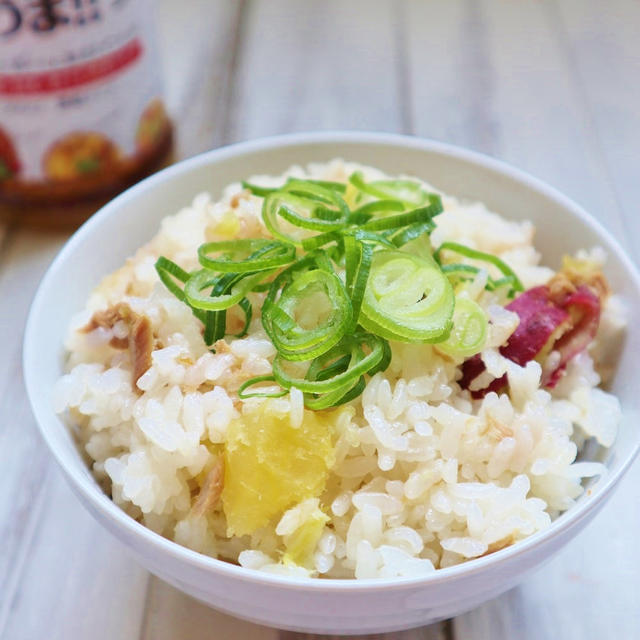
552, 86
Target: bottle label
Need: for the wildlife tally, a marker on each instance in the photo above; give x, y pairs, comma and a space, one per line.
80, 89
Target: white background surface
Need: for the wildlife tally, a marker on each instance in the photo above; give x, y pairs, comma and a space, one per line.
551, 86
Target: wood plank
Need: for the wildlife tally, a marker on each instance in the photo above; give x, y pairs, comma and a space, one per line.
493, 76
432, 632
171, 614
25, 463
198, 45
317, 65
23, 262
77, 581
48, 539
450, 74
603, 48
22, 455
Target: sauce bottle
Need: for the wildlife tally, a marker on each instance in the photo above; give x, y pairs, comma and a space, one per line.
81, 111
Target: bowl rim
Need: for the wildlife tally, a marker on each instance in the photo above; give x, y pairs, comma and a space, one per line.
119, 519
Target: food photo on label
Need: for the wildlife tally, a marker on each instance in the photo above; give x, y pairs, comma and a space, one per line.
81, 107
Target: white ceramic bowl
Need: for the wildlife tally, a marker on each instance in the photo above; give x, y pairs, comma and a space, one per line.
330, 606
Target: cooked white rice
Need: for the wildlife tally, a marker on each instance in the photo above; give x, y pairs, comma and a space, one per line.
424, 476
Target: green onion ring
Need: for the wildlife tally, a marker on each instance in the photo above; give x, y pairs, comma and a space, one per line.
257, 394
358, 257
469, 332
257, 190
408, 298
168, 272
409, 192
335, 398
359, 364
297, 291
420, 215
260, 254
203, 279
474, 254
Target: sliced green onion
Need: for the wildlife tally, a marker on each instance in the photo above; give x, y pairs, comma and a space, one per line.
414, 232
322, 261
203, 279
245, 254
318, 190
310, 316
356, 218
492, 285
247, 309
340, 187
259, 394
458, 271
168, 272
394, 286
409, 192
480, 255
215, 323
257, 190
379, 206
419, 246
338, 366
455, 268
290, 217
421, 215
215, 326
359, 363
408, 298
357, 265
317, 402
467, 272
302, 212
371, 237
336, 252
386, 359
367, 211
315, 242
469, 332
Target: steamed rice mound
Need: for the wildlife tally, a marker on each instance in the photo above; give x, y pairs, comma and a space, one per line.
412, 476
